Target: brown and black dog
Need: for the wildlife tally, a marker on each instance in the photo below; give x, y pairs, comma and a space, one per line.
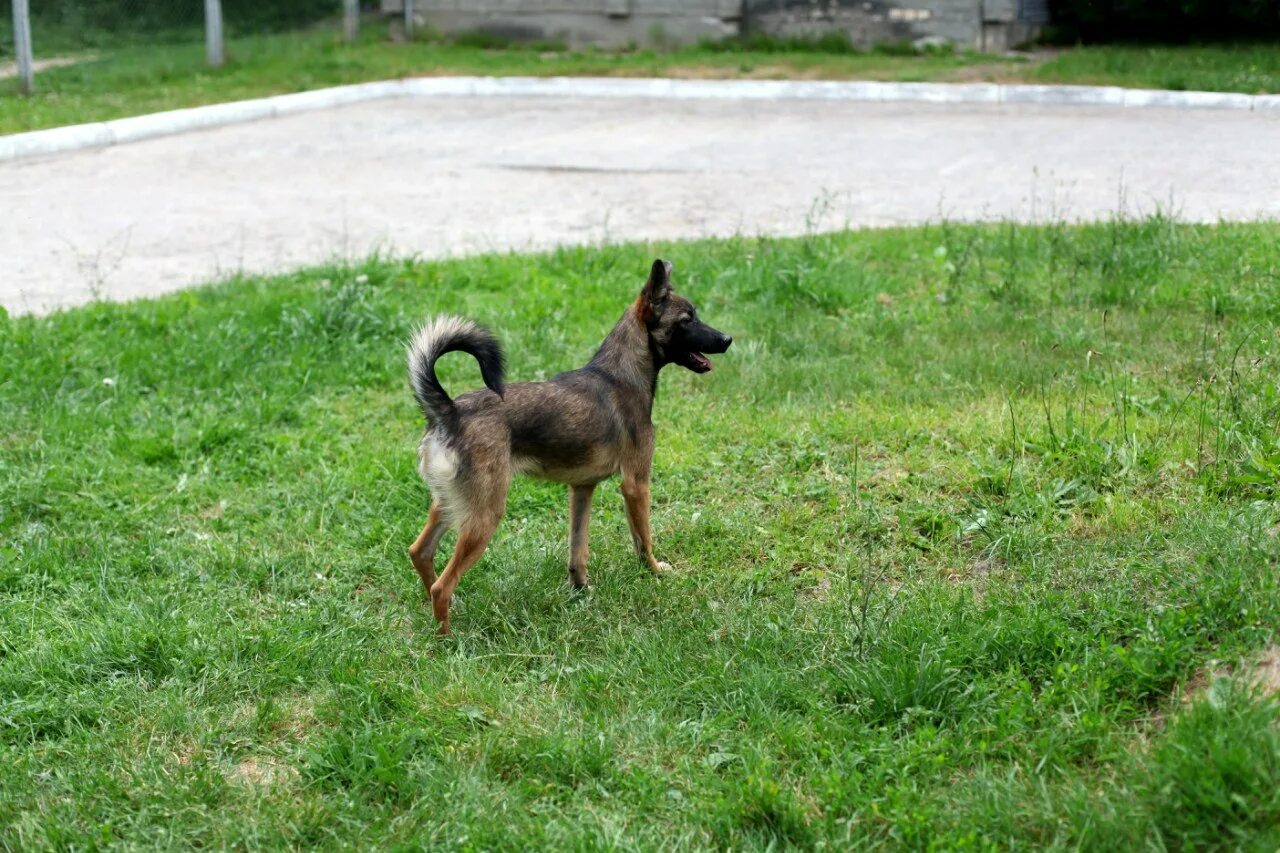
578, 428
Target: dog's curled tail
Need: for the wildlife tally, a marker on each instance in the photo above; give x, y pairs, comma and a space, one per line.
450, 334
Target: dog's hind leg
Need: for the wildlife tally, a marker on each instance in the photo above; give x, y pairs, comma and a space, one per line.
579, 519
473, 537
422, 553
478, 512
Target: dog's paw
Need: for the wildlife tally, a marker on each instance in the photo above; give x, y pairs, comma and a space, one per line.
661, 568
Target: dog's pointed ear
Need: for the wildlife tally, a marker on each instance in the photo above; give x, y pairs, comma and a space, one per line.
657, 288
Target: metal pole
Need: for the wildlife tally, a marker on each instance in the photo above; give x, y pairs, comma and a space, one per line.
350, 19
408, 19
22, 46
213, 32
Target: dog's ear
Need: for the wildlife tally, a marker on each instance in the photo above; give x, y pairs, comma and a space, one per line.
656, 290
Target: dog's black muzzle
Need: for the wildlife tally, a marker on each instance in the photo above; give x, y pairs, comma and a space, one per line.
699, 342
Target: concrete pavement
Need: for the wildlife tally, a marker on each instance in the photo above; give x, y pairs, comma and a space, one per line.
447, 176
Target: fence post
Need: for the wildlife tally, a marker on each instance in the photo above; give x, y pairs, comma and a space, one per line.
408, 20
213, 32
350, 19
22, 46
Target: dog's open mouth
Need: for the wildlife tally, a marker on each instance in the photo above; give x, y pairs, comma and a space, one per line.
697, 362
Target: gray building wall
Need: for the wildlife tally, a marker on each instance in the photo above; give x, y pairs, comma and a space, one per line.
978, 24
582, 22
991, 25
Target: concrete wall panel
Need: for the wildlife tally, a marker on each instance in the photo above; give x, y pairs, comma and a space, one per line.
981, 24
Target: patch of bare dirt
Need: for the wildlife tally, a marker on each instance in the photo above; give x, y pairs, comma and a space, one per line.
818, 592
185, 753
991, 72
1261, 673
10, 69
294, 719
262, 772
732, 72
299, 717
1265, 672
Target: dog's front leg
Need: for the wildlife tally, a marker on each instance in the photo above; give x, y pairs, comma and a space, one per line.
579, 518
635, 492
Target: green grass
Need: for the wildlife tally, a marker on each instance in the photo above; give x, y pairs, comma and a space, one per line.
954, 521
1250, 68
138, 78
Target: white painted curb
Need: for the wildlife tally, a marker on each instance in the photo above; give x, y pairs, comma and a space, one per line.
42, 143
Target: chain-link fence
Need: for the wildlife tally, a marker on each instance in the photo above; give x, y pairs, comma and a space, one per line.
36, 35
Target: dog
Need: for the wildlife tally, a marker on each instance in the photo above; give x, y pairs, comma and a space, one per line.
578, 428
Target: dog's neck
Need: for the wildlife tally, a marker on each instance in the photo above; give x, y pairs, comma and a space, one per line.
627, 356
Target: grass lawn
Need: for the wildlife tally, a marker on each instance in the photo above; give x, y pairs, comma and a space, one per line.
1250, 68
975, 535
147, 78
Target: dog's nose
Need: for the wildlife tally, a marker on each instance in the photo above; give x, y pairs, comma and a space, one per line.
727, 341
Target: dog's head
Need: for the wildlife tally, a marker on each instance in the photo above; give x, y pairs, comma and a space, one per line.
676, 335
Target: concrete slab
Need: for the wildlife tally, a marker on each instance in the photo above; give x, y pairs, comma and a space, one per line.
450, 175
61, 140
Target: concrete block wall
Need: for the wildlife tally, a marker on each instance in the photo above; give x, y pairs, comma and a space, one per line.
978, 24
581, 23
991, 25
